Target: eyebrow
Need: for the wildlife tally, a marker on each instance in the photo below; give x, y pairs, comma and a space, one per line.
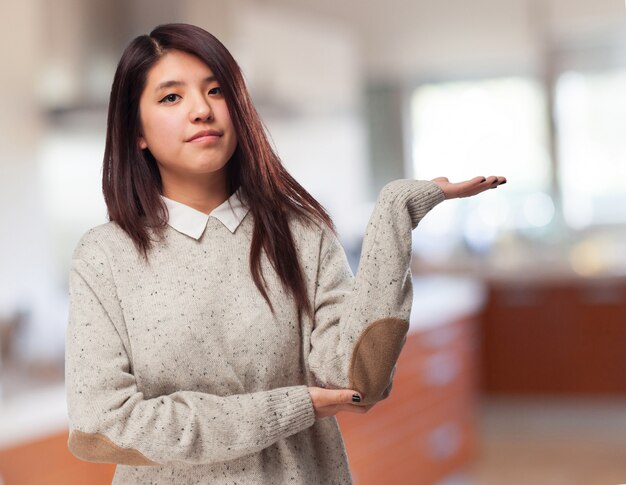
169, 84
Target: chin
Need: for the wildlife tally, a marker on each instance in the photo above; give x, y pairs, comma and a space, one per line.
208, 167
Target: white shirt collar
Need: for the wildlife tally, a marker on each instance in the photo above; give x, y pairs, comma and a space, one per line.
192, 222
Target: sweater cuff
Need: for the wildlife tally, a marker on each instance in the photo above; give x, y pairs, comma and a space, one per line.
419, 197
291, 409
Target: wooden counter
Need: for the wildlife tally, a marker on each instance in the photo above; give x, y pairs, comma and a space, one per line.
425, 430
562, 336
48, 461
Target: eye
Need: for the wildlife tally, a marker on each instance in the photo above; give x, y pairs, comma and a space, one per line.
170, 98
215, 90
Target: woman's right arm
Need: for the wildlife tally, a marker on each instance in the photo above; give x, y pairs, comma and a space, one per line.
112, 422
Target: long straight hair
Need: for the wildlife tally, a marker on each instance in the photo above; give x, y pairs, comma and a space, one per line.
131, 181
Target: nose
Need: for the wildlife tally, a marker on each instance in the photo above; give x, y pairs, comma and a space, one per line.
201, 110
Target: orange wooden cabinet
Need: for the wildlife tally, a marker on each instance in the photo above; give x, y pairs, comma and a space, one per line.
48, 461
425, 430
555, 337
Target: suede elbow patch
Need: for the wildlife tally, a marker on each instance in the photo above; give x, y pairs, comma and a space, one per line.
96, 447
374, 358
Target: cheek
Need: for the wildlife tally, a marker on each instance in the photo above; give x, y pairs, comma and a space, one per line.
159, 126
225, 117
228, 124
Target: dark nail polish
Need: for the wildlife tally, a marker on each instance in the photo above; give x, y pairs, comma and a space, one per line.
356, 398
503, 183
483, 180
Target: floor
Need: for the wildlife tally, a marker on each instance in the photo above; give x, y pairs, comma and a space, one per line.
551, 441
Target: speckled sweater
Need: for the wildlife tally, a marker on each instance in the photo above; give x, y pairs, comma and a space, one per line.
177, 371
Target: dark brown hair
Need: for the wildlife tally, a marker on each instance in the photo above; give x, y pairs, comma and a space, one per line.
131, 180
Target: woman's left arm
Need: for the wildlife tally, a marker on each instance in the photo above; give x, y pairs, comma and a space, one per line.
361, 324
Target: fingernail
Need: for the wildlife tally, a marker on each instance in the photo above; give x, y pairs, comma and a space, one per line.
503, 183
484, 180
356, 398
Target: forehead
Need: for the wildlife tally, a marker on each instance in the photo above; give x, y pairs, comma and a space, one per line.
177, 66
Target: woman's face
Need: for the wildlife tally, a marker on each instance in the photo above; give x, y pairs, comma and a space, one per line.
184, 118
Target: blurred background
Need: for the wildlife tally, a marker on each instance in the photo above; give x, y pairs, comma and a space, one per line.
515, 367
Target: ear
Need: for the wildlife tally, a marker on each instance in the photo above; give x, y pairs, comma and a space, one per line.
142, 143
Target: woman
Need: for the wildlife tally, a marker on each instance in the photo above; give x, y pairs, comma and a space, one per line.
215, 326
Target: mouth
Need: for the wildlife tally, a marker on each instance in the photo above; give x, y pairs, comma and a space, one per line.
205, 136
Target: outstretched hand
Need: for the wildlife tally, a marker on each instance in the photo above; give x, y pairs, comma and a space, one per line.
469, 187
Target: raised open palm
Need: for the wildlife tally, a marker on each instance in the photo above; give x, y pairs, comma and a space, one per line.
455, 190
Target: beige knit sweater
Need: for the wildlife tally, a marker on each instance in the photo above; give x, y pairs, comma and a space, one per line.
177, 371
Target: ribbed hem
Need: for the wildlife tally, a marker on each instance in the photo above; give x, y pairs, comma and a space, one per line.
292, 410
418, 196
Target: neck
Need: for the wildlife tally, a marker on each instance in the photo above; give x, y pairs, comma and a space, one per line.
201, 193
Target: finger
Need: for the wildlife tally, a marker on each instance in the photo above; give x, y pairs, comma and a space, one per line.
352, 396
333, 409
486, 183
351, 408
498, 181
367, 407
339, 396
468, 187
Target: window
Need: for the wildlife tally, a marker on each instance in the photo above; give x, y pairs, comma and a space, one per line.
483, 127
591, 120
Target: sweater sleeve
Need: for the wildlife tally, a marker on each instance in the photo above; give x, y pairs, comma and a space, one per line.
112, 422
361, 324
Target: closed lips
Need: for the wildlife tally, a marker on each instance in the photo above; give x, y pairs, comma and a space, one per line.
200, 134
